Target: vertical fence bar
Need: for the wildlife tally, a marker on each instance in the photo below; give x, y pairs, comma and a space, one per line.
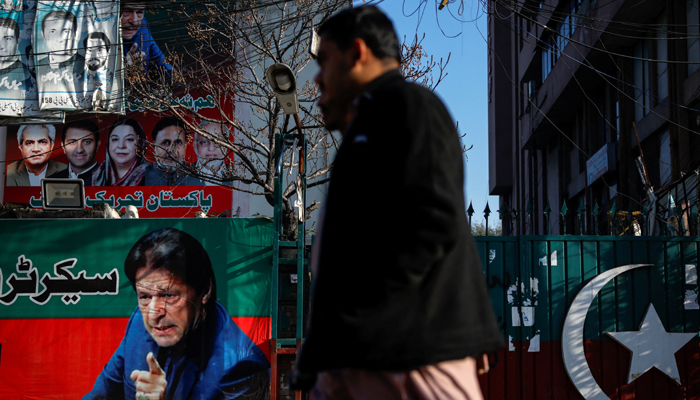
679, 217
564, 210
502, 216
612, 213
630, 220
530, 217
596, 214
487, 212
547, 212
470, 212
580, 212
645, 219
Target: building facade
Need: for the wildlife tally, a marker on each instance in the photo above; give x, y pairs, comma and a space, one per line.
579, 90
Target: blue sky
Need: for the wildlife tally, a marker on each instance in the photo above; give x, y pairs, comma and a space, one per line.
464, 91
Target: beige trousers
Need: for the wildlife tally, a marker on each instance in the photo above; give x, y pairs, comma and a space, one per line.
455, 379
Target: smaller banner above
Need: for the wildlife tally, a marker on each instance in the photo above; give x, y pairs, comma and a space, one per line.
18, 84
78, 62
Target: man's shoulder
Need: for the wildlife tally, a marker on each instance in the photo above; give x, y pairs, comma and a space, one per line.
409, 90
392, 91
189, 180
87, 175
55, 166
150, 169
15, 167
17, 174
232, 344
144, 31
60, 174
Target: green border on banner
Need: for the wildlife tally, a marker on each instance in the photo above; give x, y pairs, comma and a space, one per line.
240, 250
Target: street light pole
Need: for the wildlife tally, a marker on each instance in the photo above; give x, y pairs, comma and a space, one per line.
283, 84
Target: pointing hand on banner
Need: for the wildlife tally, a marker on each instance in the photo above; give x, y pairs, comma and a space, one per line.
150, 384
134, 56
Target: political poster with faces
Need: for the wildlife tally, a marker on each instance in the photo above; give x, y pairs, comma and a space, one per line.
77, 57
66, 303
152, 162
18, 84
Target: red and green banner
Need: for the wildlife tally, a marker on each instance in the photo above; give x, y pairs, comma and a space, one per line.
65, 301
594, 317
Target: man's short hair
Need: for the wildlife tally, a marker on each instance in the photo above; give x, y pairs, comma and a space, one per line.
133, 2
176, 252
367, 23
10, 23
84, 124
58, 15
166, 122
50, 128
97, 35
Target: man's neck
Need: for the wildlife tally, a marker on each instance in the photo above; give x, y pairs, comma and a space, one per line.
79, 171
36, 169
7, 62
375, 69
58, 58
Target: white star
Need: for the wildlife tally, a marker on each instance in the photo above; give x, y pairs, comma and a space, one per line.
652, 346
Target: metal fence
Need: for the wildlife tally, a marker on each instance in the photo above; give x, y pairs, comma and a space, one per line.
667, 217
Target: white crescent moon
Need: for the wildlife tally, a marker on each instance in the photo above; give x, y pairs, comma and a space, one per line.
572, 337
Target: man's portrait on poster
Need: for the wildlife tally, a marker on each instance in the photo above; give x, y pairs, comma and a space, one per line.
98, 78
35, 143
179, 342
14, 78
211, 160
61, 70
140, 49
80, 140
170, 138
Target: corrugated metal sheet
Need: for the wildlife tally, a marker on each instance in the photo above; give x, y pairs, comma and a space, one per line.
534, 279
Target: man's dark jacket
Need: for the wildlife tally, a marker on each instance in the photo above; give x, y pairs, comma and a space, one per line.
155, 176
85, 176
217, 362
399, 282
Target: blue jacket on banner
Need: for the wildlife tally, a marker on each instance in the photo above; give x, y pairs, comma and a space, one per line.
146, 44
217, 361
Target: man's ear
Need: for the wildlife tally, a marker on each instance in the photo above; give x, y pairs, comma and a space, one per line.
361, 52
206, 295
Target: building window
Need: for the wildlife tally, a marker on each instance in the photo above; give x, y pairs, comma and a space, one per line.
651, 78
664, 159
662, 55
693, 22
548, 58
642, 93
555, 44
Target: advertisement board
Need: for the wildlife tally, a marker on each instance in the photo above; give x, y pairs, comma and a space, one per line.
74, 62
149, 161
78, 64
66, 304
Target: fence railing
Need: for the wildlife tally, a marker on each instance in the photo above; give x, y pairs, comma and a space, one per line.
669, 219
